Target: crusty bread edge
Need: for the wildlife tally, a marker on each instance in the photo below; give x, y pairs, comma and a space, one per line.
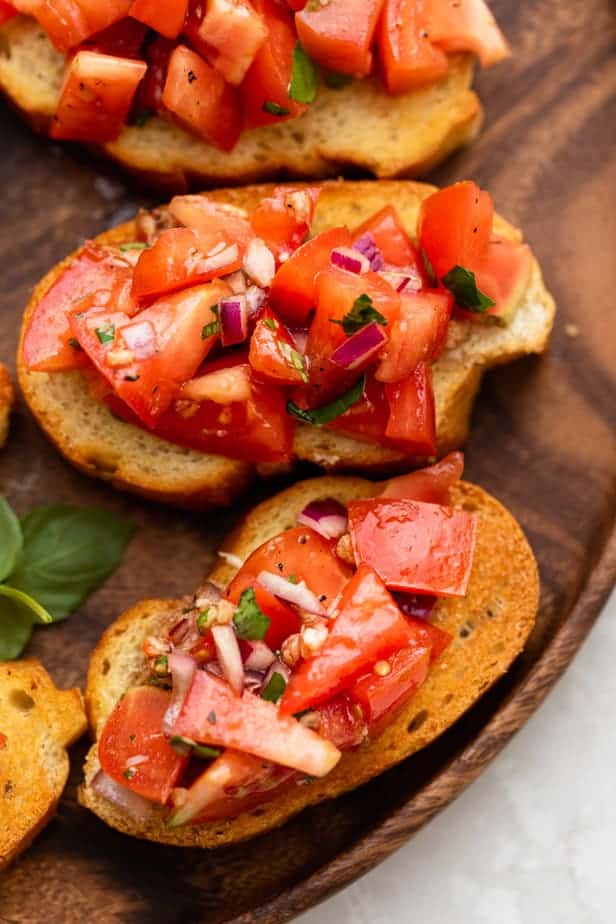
7, 401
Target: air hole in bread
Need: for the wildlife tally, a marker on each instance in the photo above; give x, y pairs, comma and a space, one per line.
119, 631
417, 721
258, 812
470, 506
447, 699
466, 630
21, 700
106, 667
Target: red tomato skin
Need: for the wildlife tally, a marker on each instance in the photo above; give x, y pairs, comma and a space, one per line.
149, 96
367, 419
166, 19
200, 99
408, 57
124, 39
235, 32
430, 635
251, 782
418, 335
94, 269
391, 238
269, 354
96, 97
283, 220
414, 546
339, 34
368, 626
7, 11
380, 697
431, 484
412, 419
455, 224
70, 22
292, 292
341, 723
468, 26
134, 728
284, 620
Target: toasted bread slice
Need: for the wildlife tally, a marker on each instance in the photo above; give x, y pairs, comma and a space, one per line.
101, 445
37, 724
7, 399
490, 627
416, 130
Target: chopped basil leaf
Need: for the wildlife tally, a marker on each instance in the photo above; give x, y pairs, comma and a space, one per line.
304, 77
271, 323
292, 579
133, 245
75, 344
250, 622
129, 773
363, 312
105, 334
336, 81
142, 117
203, 621
274, 108
294, 359
161, 665
199, 750
319, 416
275, 688
208, 330
463, 286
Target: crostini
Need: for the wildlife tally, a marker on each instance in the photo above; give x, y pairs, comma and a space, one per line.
37, 725
347, 625
196, 93
7, 399
177, 353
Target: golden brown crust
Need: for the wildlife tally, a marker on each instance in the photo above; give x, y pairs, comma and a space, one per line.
7, 399
490, 627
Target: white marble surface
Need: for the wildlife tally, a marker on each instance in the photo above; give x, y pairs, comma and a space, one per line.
533, 841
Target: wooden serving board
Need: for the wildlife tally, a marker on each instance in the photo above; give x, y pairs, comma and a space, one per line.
543, 441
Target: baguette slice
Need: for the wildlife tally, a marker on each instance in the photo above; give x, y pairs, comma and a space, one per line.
37, 724
416, 130
97, 443
7, 399
490, 627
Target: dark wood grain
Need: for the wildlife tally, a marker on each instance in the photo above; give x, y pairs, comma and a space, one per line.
543, 441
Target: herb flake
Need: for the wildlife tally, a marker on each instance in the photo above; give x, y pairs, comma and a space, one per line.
304, 77
275, 109
106, 333
249, 620
363, 312
320, 416
274, 688
463, 286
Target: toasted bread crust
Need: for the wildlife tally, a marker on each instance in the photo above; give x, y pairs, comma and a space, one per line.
38, 723
7, 399
98, 444
490, 627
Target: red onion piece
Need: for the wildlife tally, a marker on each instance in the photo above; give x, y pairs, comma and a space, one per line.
182, 668
361, 347
233, 315
407, 280
349, 259
259, 657
229, 656
140, 338
253, 681
222, 386
419, 606
299, 593
327, 517
259, 263
366, 245
123, 798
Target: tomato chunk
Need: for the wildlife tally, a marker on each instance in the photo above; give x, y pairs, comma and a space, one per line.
7, 11
213, 714
284, 619
201, 100
408, 57
96, 96
382, 696
273, 354
391, 238
426, 633
292, 289
341, 723
149, 96
283, 220
455, 224
166, 19
133, 731
411, 412
465, 26
368, 626
70, 22
234, 31
339, 34
124, 38
428, 484
414, 546
418, 335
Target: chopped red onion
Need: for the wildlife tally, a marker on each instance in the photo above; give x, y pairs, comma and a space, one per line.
222, 386
253, 681
140, 338
182, 668
366, 245
299, 593
349, 259
407, 280
260, 656
419, 606
255, 299
259, 262
123, 798
229, 656
327, 517
359, 349
233, 315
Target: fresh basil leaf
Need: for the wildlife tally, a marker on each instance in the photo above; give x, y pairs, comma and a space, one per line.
274, 108
304, 77
68, 552
250, 622
133, 245
463, 286
23, 599
319, 416
16, 624
105, 334
199, 750
363, 312
208, 330
276, 686
11, 539
336, 81
294, 359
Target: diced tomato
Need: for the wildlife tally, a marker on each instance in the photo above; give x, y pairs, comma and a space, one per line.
149, 96
407, 55
301, 553
292, 289
503, 274
368, 626
367, 419
284, 619
411, 412
339, 34
148, 378
213, 714
7, 11
455, 224
465, 25
235, 31
225, 223
418, 335
414, 546
426, 633
96, 271
283, 220
198, 96
382, 696
96, 97
265, 89
273, 354
124, 39
70, 22
341, 723
391, 238
428, 484
134, 731
167, 18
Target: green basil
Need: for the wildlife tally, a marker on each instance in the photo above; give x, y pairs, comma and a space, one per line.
276, 686
250, 622
16, 624
319, 416
304, 77
11, 540
105, 334
463, 286
274, 108
133, 245
363, 312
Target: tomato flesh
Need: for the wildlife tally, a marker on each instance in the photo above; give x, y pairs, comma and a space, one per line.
235, 32
341, 722
379, 697
455, 225
339, 34
283, 220
70, 22
124, 38
273, 354
7, 11
414, 546
284, 619
465, 26
412, 419
408, 57
166, 19
134, 730
391, 238
418, 335
431, 484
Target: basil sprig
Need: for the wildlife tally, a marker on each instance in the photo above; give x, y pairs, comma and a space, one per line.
363, 312
274, 689
304, 77
50, 561
463, 286
249, 620
319, 416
